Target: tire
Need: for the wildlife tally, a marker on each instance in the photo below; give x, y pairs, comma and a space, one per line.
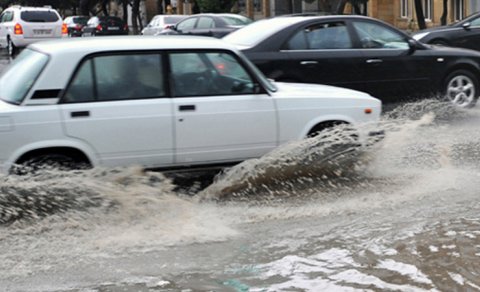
11, 48
461, 88
36, 164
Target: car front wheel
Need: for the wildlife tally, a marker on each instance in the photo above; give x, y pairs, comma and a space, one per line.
461, 88
44, 162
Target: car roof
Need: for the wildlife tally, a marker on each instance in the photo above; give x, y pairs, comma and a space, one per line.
126, 43
303, 17
282, 21
30, 8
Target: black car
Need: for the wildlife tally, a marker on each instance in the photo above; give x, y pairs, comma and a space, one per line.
361, 53
75, 24
105, 25
214, 25
465, 34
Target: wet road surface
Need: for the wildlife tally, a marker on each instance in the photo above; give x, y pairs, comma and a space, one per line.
401, 215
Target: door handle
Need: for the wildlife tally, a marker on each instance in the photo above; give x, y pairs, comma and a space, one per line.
308, 63
80, 114
184, 108
374, 61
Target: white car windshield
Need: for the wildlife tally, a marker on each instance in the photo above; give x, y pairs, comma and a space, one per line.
17, 80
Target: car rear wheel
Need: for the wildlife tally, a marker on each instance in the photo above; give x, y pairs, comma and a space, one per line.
461, 88
11, 48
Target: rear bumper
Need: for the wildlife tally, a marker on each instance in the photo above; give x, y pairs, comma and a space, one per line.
20, 41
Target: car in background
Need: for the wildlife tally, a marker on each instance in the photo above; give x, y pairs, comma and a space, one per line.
158, 102
105, 25
161, 22
213, 25
75, 24
464, 34
361, 53
21, 26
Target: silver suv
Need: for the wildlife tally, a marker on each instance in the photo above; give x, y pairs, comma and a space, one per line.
21, 26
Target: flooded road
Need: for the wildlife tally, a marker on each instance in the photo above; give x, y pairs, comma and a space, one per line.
399, 215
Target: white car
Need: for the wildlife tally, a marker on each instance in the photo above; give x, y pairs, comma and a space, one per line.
161, 22
158, 102
21, 26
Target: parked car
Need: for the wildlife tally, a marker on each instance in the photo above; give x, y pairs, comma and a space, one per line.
105, 25
360, 53
75, 24
21, 26
214, 25
161, 22
465, 34
156, 102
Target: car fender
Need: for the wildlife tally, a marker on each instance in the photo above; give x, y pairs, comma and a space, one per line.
88, 151
462, 63
322, 119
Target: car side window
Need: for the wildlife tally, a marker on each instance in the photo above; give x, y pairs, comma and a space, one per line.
321, 36
208, 74
7, 16
375, 36
205, 22
187, 24
475, 22
117, 77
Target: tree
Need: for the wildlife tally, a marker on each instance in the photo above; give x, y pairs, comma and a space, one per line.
85, 7
443, 19
356, 6
420, 15
338, 6
137, 24
159, 6
216, 6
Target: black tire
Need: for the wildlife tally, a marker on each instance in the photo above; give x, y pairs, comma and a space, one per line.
44, 162
12, 50
461, 88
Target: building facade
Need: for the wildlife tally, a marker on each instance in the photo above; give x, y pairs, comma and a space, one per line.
401, 13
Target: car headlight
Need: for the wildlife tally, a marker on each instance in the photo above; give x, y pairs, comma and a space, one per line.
420, 36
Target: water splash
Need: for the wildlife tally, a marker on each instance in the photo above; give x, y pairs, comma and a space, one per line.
334, 153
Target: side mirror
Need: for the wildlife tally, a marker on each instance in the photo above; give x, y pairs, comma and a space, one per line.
466, 25
412, 45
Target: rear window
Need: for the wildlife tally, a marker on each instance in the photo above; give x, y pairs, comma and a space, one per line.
80, 20
20, 76
237, 20
39, 16
111, 19
172, 19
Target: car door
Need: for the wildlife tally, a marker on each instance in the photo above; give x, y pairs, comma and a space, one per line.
221, 113
5, 19
204, 27
186, 26
118, 105
390, 67
319, 52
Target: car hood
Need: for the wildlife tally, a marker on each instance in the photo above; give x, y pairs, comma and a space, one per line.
318, 90
453, 50
6, 107
438, 28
